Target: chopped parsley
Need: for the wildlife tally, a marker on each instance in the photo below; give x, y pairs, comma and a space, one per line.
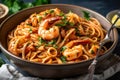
61, 14
39, 18
63, 48
63, 59
41, 40
30, 30
92, 52
55, 46
45, 14
64, 22
17, 5
51, 11
52, 42
86, 15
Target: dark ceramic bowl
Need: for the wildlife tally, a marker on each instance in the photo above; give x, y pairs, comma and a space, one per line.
53, 70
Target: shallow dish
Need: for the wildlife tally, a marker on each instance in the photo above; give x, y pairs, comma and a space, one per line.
53, 70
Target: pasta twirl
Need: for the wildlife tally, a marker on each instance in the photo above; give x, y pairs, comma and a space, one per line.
54, 37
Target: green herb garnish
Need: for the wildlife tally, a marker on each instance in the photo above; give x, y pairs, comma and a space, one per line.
92, 52
41, 40
61, 14
30, 30
39, 18
52, 42
45, 14
55, 46
86, 15
63, 59
17, 5
63, 48
51, 11
62, 24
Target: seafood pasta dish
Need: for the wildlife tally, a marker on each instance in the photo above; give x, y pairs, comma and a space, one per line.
55, 37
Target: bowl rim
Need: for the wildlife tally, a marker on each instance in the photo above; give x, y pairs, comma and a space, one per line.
66, 64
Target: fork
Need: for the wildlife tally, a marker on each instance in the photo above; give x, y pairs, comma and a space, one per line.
107, 38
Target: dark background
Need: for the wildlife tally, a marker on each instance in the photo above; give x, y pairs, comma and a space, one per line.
101, 6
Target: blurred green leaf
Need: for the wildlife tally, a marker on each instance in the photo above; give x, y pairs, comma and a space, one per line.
1, 62
37, 2
17, 5
27, 5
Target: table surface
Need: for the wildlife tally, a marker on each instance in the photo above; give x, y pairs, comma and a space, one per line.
100, 6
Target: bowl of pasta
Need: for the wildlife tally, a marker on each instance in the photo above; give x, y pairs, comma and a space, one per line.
55, 40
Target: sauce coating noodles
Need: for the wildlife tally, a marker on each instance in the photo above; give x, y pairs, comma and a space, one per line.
54, 37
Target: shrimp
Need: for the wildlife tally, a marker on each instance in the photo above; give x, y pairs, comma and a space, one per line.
49, 33
75, 42
73, 53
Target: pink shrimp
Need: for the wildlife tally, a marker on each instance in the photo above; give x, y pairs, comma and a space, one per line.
49, 33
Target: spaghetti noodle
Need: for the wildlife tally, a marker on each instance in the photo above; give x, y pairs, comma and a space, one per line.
53, 37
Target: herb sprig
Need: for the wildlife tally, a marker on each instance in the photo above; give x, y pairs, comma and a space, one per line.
86, 15
17, 5
63, 59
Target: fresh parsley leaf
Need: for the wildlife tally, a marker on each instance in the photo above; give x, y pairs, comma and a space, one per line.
64, 17
51, 11
45, 13
92, 52
30, 30
63, 59
52, 42
86, 15
55, 46
16, 7
41, 40
63, 48
64, 22
39, 18
61, 14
